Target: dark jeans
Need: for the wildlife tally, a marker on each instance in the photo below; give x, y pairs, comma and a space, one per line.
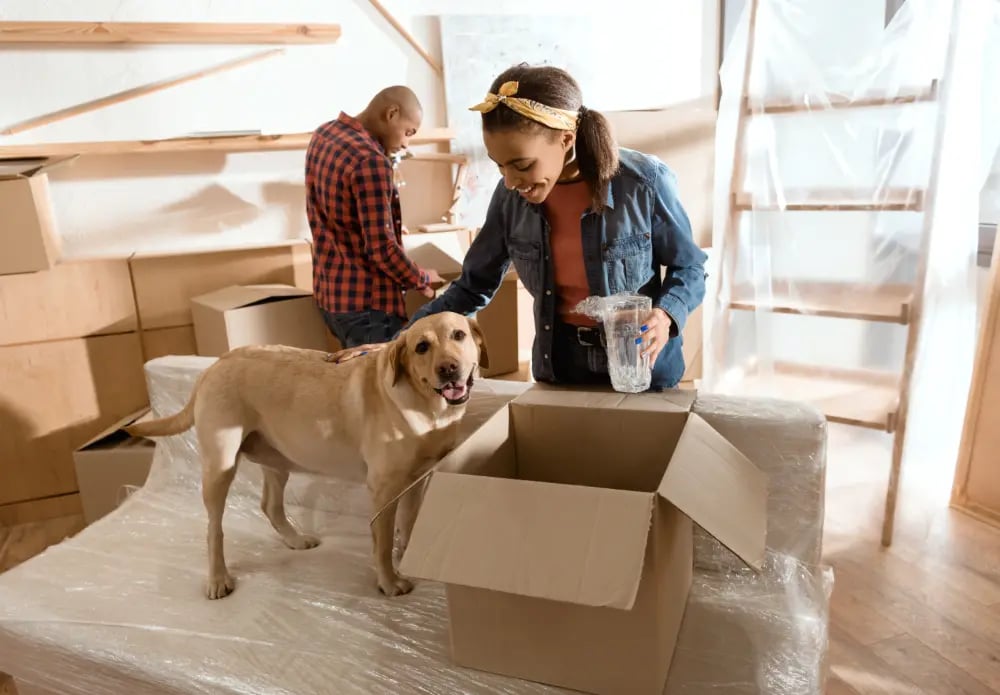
363, 327
574, 363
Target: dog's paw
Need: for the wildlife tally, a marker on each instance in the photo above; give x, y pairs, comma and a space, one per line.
395, 586
219, 588
300, 541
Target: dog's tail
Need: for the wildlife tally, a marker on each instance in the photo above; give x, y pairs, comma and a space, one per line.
173, 424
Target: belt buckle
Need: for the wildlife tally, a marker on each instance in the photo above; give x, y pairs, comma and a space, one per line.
581, 331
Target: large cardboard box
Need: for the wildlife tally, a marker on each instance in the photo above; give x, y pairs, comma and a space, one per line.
29, 241
70, 300
55, 395
498, 321
257, 315
109, 463
562, 532
165, 283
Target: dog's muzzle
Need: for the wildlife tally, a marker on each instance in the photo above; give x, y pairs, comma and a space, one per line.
457, 392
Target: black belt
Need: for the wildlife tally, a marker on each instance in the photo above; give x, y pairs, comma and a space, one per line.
589, 336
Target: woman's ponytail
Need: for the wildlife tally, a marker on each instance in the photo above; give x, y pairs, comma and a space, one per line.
596, 153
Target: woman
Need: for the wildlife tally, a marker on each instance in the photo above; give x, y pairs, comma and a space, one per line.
577, 216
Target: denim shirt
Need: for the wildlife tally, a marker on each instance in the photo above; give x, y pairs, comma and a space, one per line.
643, 229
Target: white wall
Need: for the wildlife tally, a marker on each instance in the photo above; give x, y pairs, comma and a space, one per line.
114, 205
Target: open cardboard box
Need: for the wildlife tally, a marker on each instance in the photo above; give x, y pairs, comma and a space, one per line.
108, 463
562, 532
29, 241
241, 315
499, 320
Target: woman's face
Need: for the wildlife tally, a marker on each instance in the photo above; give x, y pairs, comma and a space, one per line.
530, 161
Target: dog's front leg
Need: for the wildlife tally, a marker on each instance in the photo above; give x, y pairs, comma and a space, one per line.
383, 491
406, 514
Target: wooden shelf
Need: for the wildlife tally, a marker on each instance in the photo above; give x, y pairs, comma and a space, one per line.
829, 102
887, 303
234, 143
849, 200
854, 397
166, 32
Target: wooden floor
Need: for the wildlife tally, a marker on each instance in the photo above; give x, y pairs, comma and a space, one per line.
920, 617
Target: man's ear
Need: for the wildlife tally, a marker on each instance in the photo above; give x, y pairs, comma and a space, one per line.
397, 359
477, 334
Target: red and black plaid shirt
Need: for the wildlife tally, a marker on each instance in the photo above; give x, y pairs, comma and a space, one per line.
353, 210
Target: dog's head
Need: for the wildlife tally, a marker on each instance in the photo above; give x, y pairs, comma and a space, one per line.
439, 354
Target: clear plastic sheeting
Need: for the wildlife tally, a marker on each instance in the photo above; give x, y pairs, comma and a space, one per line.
787, 442
849, 160
120, 607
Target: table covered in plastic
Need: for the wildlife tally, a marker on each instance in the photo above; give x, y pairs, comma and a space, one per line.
119, 608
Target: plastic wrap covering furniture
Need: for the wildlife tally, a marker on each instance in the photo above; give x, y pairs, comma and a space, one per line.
849, 160
119, 608
787, 441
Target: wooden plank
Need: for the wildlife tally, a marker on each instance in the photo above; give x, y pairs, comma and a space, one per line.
237, 143
136, 92
55, 396
166, 32
70, 300
869, 302
865, 672
165, 283
407, 36
828, 102
976, 487
935, 674
834, 199
862, 398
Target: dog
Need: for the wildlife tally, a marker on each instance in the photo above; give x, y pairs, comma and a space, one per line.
289, 409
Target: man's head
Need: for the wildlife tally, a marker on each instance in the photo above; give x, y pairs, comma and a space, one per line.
392, 117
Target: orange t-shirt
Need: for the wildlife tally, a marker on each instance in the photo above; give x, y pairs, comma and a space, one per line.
564, 207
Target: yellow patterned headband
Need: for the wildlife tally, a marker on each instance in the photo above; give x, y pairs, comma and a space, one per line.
560, 119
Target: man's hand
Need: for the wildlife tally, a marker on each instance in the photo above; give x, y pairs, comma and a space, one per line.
433, 279
655, 334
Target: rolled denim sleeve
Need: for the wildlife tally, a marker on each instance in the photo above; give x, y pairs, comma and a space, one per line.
673, 244
485, 265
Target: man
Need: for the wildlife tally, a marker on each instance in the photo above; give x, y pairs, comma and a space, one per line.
360, 270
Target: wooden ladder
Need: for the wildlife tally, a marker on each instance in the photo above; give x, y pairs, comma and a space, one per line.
857, 397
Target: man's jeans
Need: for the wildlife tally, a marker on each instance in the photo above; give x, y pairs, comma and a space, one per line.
363, 327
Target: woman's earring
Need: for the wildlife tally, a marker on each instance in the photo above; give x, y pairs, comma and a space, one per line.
572, 155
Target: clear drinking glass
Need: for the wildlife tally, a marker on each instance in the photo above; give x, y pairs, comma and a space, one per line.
623, 318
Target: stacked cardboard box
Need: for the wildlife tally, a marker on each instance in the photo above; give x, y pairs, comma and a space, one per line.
72, 348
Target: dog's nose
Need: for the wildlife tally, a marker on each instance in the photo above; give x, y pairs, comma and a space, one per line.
448, 371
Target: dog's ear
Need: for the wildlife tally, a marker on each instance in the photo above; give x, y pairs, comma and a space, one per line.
397, 359
477, 334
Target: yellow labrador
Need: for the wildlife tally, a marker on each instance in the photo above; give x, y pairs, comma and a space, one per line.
297, 410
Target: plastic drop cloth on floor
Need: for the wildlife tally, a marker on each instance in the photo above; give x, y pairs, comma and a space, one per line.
119, 608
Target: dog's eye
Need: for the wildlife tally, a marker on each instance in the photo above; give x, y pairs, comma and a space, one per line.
458, 335
422, 347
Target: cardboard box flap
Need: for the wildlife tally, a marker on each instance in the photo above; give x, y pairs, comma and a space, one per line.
239, 296
25, 168
668, 401
138, 416
430, 256
569, 543
722, 491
